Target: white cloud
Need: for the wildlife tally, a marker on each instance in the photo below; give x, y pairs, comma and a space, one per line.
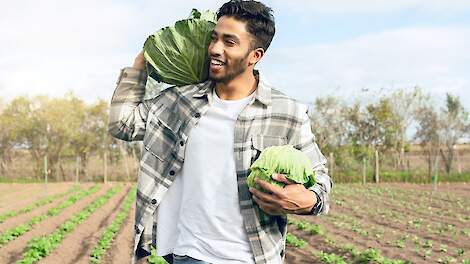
52, 46
372, 7
437, 59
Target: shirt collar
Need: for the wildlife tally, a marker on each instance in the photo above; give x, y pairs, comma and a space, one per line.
262, 93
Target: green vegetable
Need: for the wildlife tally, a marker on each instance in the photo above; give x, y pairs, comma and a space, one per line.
282, 159
177, 54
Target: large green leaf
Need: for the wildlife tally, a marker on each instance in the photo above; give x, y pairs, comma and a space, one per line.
177, 54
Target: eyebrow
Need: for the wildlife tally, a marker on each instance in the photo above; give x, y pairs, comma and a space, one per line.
227, 35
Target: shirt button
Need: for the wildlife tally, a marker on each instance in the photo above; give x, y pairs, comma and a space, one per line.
137, 230
172, 172
181, 143
154, 201
197, 115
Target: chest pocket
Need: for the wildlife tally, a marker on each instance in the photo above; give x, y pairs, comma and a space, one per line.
161, 132
260, 142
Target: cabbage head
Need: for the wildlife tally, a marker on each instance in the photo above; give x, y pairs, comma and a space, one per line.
177, 55
282, 159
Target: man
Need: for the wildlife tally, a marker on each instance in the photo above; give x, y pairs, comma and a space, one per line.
193, 203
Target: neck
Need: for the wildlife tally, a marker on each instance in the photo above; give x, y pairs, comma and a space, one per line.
240, 87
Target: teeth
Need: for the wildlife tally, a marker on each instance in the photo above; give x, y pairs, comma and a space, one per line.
216, 62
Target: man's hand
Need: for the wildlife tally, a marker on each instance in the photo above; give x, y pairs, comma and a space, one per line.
294, 198
139, 62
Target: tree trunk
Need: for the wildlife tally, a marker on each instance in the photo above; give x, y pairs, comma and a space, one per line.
429, 161
447, 159
38, 161
62, 170
376, 166
84, 164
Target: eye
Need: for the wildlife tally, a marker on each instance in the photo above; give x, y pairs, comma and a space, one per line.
230, 42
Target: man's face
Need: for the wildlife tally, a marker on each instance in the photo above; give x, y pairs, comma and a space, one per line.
229, 49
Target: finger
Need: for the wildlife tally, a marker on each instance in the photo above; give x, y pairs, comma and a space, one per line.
268, 208
270, 188
281, 178
264, 196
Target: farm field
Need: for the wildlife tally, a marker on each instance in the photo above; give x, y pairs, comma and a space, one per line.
385, 223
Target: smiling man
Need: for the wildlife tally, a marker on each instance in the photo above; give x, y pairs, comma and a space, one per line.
193, 202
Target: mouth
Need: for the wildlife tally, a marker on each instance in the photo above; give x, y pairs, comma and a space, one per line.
215, 64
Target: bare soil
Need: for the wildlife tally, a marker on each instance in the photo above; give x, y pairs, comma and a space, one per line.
77, 246
17, 195
13, 251
123, 244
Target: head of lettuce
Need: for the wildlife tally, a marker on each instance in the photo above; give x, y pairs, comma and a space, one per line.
287, 160
177, 55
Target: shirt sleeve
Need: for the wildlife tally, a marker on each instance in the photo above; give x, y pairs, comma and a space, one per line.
305, 142
128, 112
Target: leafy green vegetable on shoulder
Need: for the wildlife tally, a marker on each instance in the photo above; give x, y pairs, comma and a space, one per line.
177, 55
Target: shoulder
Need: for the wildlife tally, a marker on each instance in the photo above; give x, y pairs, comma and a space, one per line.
171, 94
286, 104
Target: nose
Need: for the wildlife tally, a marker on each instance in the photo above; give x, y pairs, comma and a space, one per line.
215, 48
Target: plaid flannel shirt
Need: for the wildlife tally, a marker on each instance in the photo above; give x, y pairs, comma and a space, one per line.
164, 124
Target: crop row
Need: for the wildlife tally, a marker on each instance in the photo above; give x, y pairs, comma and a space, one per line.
357, 256
393, 217
41, 247
439, 226
19, 230
437, 203
110, 232
37, 204
438, 237
423, 246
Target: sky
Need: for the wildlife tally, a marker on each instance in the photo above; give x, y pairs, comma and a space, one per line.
349, 49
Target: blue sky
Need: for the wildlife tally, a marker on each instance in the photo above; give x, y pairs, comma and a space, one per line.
335, 47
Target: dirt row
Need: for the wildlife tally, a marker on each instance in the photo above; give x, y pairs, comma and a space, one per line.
12, 251
393, 230
15, 196
77, 246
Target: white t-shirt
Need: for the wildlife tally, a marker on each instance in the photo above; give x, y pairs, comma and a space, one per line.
199, 215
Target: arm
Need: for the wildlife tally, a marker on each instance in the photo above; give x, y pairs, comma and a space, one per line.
323, 185
295, 198
128, 113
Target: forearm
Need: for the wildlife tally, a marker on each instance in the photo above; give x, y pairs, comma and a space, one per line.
127, 112
323, 183
322, 190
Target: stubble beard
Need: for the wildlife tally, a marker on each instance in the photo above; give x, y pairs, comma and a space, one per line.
233, 70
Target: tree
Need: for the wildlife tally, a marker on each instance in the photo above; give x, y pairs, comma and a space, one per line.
455, 125
404, 104
427, 133
89, 136
372, 126
6, 137
327, 121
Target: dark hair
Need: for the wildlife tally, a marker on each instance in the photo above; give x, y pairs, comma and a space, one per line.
258, 17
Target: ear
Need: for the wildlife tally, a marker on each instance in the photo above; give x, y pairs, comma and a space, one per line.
255, 56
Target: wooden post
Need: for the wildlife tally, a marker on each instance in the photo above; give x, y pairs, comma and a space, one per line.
332, 162
45, 175
459, 165
376, 166
364, 170
105, 172
77, 170
436, 172
124, 155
